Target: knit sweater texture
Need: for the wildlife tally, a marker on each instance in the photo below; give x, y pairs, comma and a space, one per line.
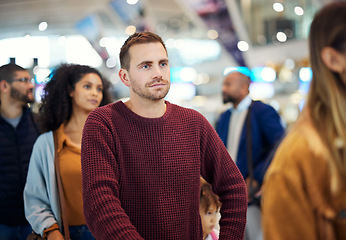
141, 175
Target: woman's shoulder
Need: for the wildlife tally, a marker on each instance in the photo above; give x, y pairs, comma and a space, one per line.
300, 154
45, 138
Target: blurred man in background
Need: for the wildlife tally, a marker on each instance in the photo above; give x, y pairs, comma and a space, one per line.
250, 130
18, 132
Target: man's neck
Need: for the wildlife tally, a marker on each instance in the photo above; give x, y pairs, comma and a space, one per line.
11, 109
147, 109
236, 105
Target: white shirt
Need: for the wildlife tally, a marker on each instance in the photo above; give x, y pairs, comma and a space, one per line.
236, 124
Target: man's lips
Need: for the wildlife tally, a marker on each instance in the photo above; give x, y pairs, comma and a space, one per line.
158, 85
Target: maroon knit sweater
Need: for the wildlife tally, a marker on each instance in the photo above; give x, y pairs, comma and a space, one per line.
141, 175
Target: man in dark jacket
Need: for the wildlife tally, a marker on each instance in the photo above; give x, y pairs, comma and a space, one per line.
265, 129
18, 133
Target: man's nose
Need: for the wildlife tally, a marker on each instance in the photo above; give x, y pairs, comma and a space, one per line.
157, 72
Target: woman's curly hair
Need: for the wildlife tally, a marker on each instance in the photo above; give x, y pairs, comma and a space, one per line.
56, 106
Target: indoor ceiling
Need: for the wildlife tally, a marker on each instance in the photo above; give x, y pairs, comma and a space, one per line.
21, 17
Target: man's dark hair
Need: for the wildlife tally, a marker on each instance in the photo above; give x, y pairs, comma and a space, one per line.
137, 38
7, 71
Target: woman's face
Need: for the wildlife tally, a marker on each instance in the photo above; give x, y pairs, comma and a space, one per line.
87, 94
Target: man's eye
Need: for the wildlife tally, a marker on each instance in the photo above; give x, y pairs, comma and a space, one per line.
145, 66
164, 64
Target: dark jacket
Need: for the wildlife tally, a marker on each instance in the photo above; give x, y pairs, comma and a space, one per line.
267, 131
15, 150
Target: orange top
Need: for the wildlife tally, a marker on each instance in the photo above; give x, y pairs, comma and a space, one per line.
71, 177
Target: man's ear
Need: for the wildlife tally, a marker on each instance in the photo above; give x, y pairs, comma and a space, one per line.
124, 77
332, 59
3, 85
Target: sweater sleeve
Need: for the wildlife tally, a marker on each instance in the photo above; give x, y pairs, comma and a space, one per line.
218, 168
103, 213
38, 191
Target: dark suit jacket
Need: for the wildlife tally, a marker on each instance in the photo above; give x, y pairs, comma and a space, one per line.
267, 131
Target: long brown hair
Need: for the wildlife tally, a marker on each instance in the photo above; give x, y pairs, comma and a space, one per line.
327, 94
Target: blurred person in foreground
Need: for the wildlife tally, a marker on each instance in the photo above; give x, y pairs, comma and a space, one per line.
142, 159
304, 193
263, 134
18, 133
72, 92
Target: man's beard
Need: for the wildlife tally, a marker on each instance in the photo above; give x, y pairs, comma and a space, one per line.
152, 96
20, 96
227, 98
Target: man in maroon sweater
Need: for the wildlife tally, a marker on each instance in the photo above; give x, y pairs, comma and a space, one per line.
142, 159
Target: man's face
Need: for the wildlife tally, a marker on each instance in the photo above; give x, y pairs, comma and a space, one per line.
232, 88
22, 91
149, 72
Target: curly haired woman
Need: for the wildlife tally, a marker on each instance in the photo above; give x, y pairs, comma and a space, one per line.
72, 92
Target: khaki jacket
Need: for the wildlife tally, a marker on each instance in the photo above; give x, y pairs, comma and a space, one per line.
297, 198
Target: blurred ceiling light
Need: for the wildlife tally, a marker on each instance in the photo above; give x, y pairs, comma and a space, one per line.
43, 26
130, 30
41, 74
212, 34
296, 97
268, 74
202, 78
278, 7
281, 37
286, 75
79, 50
227, 70
299, 11
305, 74
132, 2
103, 42
111, 62
243, 46
188, 74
